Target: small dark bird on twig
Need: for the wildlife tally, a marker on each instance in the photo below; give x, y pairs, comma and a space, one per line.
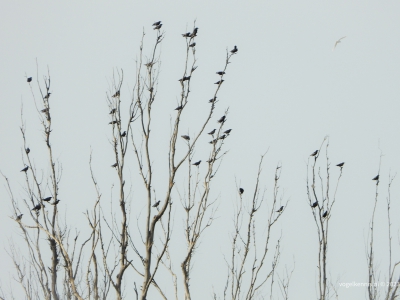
376, 177
340, 165
37, 207
157, 23
222, 119
234, 50
18, 218
55, 203
192, 45
186, 35
212, 100
47, 199
280, 210
113, 111
47, 96
228, 131
157, 27
212, 132
117, 93
221, 73
25, 169
314, 153
45, 110
325, 214
222, 137
149, 64
184, 78
114, 165
194, 33
157, 203
123, 134
29, 79
179, 107
113, 122
213, 141
241, 191
197, 163
186, 137
194, 68
314, 204
27, 150
219, 81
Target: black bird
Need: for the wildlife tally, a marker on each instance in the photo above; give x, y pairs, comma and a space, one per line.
179, 107
25, 169
113, 122
56, 202
186, 137
213, 141
149, 64
280, 210
18, 218
228, 131
325, 214
222, 137
241, 191
113, 111
186, 35
234, 50
197, 163
184, 78
340, 165
157, 203
47, 199
194, 33
29, 79
157, 23
27, 150
123, 134
194, 68
221, 73
222, 119
117, 93
220, 81
157, 27
314, 153
192, 45
37, 207
45, 110
376, 177
114, 165
47, 96
212, 132
314, 204
212, 100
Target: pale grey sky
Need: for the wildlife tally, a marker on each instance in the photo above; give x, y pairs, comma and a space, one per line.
286, 89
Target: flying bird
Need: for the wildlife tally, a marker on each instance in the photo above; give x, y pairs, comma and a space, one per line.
117, 93
186, 137
18, 218
157, 27
179, 107
219, 81
314, 204
157, 203
47, 199
234, 50
314, 153
340, 165
228, 131
29, 79
241, 191
280, 210
221, 73
37, 207
25, 169
114, 165
55, 203
197, 163
376, 177
222, 119
123, 134
157, 23
325, 214
212, 132
192, 45
27, 150
337, 42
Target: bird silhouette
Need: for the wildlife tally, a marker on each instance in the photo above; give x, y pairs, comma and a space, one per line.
197, 163
114, 165
179, 107
45, 110
234, 50
222, 137
186, 137
340, 165
117, 93
228, 131
221, 73
337, 42
186, 35
37, 207
156, 204
222, 119
157, 23
158, 26
212, 100
29, 79
194, 68
314, 204
213, 141
25, 169
56, 202
212, 132
241, 191
47, 199
376, 178
192, 45
280, 210
194, 33
27, 150
314, 153
219, 81
123, 134
47, 96
184, 78
113, 111
113, 122
325, 214
18, 218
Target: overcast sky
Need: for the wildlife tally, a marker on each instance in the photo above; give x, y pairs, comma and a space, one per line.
285, 89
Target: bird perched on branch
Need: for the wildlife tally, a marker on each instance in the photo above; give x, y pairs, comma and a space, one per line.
340, 165
114, 165
157, 23
222, 119
186, 35
194, 33
56, 202
29, 79
37, 207
222, 137
186, 137
212, 100
212, 132
47, 199
113, 122
314, 153
113, 111
27, 150
314, 204
197, 163
325, 214
25, 169
117, 93
280, 210
157, 27
213, 141
376, 178
228, 131
179, 107
123, 134
45, 110
47, 96
241, 191
219, 81
156, 204
192, 45
18, 218
184, 78
221, 73
234, 50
